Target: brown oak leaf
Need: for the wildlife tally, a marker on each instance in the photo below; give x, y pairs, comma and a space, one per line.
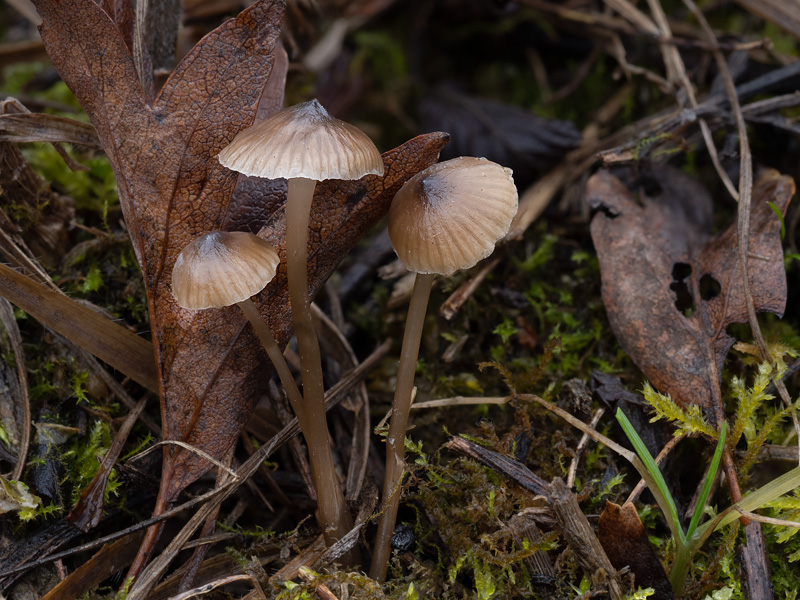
670, 288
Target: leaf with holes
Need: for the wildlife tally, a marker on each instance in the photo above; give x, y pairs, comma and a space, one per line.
670, 288
172, 189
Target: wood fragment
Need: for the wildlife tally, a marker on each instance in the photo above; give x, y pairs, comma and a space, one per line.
574, 526
523, 527
756, 582
451, 306
507, 467
41, 127
581, 538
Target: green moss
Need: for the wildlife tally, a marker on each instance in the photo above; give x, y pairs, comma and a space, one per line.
83, 457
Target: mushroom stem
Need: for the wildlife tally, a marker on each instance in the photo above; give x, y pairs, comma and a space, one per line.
332, 514
276, 356
401, 406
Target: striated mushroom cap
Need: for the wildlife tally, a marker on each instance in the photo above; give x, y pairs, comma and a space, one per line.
303, 141
449, 216
222, 268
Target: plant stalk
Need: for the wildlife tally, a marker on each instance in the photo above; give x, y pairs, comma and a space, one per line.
333, 515
401, 407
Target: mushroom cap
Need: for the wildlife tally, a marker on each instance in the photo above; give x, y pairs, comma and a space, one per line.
222, 268
303, 141
449, 216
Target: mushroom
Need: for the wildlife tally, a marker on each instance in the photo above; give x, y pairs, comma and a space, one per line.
222, 268
305, 144
446, 218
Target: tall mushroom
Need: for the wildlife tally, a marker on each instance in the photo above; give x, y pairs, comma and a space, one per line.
222, 268
446, 218
305, 144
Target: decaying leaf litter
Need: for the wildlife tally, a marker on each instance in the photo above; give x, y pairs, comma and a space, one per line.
534, 309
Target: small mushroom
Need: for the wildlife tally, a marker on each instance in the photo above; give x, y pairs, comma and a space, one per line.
305, 144
222, 268
446, 218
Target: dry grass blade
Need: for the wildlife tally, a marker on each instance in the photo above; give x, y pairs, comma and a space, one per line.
112, 343
12, 330
217, 463
40, 127
27, 10
198, 501
100, 567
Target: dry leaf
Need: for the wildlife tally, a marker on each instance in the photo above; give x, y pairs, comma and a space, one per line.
625, 541
669, 287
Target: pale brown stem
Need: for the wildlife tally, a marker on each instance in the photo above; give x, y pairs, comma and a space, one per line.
395, 441
276, 356
332, 513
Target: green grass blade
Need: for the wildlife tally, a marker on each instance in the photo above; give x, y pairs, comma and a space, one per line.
755, 499
712, 473
655, 473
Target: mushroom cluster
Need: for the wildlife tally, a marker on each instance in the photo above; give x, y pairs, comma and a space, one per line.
446, 218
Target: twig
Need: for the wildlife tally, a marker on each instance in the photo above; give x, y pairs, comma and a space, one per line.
460, 401
451, 306
208, 587
768, 520
628, 455
672, 57
199, 500
581, 74
88, 510
323, 591
574, 526
573, 465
